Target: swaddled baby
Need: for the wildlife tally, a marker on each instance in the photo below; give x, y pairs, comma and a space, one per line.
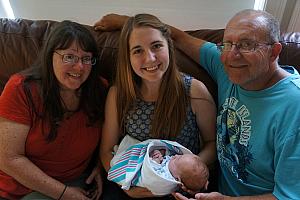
187, 169
142, 164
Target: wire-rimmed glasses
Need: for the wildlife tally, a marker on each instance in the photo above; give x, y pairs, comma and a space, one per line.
243, 46
73, 59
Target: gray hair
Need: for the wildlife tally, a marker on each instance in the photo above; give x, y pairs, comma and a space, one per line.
268, 22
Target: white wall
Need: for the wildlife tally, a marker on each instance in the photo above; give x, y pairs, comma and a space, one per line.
2, 13
185, 14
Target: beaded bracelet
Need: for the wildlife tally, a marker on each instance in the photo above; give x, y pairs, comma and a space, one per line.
62, 193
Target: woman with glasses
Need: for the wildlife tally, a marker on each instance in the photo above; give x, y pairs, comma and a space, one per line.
50, 121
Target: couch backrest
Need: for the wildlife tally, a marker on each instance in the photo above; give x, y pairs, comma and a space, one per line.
21, 40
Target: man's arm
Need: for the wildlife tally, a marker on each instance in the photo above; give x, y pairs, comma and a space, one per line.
218, 196
188, 44
110, 22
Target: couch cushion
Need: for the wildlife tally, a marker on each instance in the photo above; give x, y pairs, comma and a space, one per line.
21, 40
290, 54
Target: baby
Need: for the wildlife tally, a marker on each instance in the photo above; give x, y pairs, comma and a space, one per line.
158, 165
187, 169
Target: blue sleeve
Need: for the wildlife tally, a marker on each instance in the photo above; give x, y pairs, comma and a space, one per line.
287, 174
210, 60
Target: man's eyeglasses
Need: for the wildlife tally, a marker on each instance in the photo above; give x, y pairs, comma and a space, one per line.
73, 59
244, 46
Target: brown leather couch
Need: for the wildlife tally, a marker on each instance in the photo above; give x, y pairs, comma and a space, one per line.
21, 40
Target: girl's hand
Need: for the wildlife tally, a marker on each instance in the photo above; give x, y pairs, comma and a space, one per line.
138, 192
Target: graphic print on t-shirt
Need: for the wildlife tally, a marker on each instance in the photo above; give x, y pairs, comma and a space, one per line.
233, 135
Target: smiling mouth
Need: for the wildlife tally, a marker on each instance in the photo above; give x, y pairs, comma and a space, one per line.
153, 68
238, 66
75, 75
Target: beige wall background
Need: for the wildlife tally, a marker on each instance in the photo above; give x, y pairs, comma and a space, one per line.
185, 14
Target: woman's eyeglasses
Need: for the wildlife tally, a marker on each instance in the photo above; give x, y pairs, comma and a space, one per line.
73, 59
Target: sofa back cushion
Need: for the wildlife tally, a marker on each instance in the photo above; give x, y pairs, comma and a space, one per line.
22, 39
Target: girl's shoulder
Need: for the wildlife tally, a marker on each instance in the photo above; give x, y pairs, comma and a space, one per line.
200, 91
112, 91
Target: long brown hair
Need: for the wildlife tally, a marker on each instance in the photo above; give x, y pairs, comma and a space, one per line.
93, 91
171, 105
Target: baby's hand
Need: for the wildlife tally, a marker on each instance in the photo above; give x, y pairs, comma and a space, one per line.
157, 156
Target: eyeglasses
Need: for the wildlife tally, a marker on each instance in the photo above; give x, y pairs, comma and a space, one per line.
244, 46
73, 59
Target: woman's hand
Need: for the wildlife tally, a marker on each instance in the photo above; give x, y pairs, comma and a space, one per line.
96, 177
110, 22
138, 192
75, 193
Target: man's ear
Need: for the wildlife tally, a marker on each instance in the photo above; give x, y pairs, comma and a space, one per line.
206, 185
276, 49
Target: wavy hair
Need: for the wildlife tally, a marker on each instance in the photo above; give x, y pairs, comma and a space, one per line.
93, 91
172, 102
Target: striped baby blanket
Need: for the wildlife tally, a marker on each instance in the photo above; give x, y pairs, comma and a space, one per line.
131, 165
